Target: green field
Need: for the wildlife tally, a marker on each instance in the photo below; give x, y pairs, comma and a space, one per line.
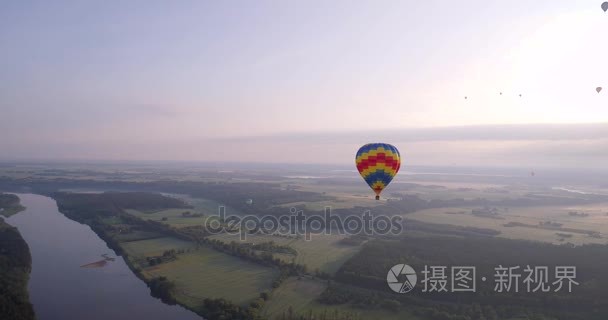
323, 252
173, 217
206, 273
139, 250
595, 221
294, 293
202, 272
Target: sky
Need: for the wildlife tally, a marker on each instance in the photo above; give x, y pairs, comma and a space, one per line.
305, 81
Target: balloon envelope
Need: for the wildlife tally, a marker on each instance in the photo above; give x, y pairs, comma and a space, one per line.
378, 164
598, 89
605, 6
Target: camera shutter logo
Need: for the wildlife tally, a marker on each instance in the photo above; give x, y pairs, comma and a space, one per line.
401, 278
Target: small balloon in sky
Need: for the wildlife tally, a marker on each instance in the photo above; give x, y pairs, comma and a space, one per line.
501, 93
465, 97
520, 95
599, 89
605, 6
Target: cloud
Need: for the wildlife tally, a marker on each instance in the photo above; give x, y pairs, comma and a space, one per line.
510, 132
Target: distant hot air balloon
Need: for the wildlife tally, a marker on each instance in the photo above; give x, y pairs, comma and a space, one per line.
605, 6
378, 164
599, 89
501, 93
520, 95
532, 173
465, 97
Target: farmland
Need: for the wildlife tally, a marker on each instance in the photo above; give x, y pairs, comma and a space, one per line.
270, 274
323, 252
206, 273
525, 222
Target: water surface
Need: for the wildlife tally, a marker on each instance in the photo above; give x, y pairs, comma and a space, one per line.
61, 290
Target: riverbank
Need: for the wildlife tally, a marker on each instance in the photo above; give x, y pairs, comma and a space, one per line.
59, 247
78, 207
15, 268
10, 205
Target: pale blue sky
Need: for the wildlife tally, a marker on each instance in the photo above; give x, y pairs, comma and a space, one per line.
135, 79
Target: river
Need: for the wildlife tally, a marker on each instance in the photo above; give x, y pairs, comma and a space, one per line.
61, 290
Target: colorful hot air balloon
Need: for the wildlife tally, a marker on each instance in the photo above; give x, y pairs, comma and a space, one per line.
598, 89
378, 164
605, 6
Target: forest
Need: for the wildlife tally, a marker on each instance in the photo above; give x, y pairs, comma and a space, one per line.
15, 267
362, 279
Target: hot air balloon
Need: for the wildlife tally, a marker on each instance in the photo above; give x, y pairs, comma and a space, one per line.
378, 164
465, 97
599, 89
605, 6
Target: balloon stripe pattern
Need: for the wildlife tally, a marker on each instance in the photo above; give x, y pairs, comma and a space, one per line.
378, 164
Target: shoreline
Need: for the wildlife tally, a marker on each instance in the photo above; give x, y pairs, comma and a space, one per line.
15, 272
120, 252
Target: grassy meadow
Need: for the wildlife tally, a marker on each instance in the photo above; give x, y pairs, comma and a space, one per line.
322, 252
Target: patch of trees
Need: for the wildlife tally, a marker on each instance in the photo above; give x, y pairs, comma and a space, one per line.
247, 252
225, 310
271, 246
264, 194
162, 288
9, 204
8, 201
15, 267
168, 255
323, 315
444, 229
188, 214
365, 299
88, 205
